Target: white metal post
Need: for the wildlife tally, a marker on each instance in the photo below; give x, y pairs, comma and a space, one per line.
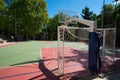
63, 52
58, 47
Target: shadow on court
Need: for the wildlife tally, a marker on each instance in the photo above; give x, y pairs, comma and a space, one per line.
46, 72
27, 62
75, 67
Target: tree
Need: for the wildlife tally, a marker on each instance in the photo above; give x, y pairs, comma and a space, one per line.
29, 15
1, 5
99, 20
94, 17
117, 25
118, 13
108, 15
87, 14
109, 19
52, 27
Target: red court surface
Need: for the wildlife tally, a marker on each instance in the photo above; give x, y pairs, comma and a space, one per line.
75, 61
7, 44
47, 69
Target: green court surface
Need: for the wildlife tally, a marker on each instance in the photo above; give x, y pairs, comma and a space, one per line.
23, 52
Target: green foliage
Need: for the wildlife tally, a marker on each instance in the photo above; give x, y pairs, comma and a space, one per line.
94, 17
118, 13
118, 25
86, 13
6, 25
99, 20
52, 27
110, 13
1, 4
5, 20
108, 16
89, 15
29, 16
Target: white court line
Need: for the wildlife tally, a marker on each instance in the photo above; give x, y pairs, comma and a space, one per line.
18, 65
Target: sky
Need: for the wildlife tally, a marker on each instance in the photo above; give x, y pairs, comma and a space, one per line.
54, 6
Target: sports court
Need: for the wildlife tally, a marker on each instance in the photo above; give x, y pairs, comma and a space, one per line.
40, 61
64, 59
28, 65
67, 46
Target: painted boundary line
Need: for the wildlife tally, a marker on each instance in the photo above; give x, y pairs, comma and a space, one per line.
34, 72
7, 44
19, 75
25, 73
18, 65
51, 69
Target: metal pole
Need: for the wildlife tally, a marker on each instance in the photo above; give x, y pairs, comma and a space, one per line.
115, 15
104, 44
15, 27
115, 12
103, 14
